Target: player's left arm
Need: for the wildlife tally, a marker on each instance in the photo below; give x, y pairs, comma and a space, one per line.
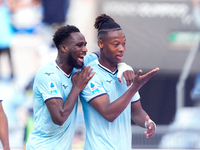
4, 136
141, 118
125, 71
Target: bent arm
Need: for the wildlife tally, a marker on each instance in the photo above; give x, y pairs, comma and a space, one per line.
110, 111
60, 110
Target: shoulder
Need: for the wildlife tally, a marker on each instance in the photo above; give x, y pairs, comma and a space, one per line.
46, 71
90, 57
48, 67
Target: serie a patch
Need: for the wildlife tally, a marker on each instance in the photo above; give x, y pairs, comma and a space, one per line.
52, 87
93, 88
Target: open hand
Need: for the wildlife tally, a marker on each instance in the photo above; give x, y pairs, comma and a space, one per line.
139, 79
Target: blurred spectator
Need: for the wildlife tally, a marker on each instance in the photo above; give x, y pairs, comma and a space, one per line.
6, 35
54, 16
184, 132
26, 15
196, 12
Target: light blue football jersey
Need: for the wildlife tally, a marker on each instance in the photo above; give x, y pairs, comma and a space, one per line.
51, 82
100, 133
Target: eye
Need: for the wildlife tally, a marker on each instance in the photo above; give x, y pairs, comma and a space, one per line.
115, 44
81, 44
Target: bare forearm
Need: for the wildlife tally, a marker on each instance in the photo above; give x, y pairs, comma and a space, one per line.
139, 117
69, 103
4, 131
60, 110
115, 108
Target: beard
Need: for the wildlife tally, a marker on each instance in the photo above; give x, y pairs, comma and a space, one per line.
73, 62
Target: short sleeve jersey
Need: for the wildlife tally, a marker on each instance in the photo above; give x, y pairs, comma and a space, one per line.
100, 133
51, 82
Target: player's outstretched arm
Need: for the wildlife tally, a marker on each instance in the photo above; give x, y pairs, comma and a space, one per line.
110, 111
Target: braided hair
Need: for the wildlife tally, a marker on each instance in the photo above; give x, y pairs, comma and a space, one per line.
105, 23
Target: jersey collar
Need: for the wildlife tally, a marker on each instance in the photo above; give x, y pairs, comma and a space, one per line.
103, 67
68, 75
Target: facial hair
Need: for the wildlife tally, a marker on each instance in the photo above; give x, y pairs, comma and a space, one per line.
73, 62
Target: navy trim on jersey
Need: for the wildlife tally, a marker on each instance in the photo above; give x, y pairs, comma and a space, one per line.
67, 75
96, 97
136, 101
106, 69
96, 54
52, 98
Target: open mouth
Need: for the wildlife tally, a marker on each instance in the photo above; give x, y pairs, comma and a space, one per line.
81, 58
120, 57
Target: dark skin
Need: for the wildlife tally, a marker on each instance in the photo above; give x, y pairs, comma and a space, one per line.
112, 47
76, 48
58, 109
4, 129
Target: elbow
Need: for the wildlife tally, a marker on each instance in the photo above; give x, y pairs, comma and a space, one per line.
59, 122
110, 118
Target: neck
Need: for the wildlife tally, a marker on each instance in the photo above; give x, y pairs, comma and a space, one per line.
64, 66
111, 66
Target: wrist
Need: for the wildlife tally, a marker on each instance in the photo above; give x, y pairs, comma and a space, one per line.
149, 121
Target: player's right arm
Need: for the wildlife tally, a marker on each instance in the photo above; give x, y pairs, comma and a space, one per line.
60, 110
110, 111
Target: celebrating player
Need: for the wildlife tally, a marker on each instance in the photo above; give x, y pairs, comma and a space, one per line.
107, 104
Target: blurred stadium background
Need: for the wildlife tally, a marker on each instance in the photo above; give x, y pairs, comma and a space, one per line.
160, 33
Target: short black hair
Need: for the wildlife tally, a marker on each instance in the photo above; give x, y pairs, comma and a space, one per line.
104, 23
63, 34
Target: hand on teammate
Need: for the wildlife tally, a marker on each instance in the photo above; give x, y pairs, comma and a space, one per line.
81, 78
130, 76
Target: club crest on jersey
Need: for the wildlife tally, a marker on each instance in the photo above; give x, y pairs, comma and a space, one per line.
93, 87
52, 87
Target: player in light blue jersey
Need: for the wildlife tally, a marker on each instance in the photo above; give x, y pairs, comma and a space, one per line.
4, 136
108, 105
56, 89
55, 92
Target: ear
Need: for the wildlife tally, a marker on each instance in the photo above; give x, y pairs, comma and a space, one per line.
64, 48
100, 43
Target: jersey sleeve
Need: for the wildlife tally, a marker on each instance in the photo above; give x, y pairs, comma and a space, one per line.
89, 58
47, 83
136, 97
93, 89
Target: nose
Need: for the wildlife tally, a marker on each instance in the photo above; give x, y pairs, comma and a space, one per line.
122, 47
85, 49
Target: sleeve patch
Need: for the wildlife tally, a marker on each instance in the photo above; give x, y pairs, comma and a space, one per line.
93, 88
52, 87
